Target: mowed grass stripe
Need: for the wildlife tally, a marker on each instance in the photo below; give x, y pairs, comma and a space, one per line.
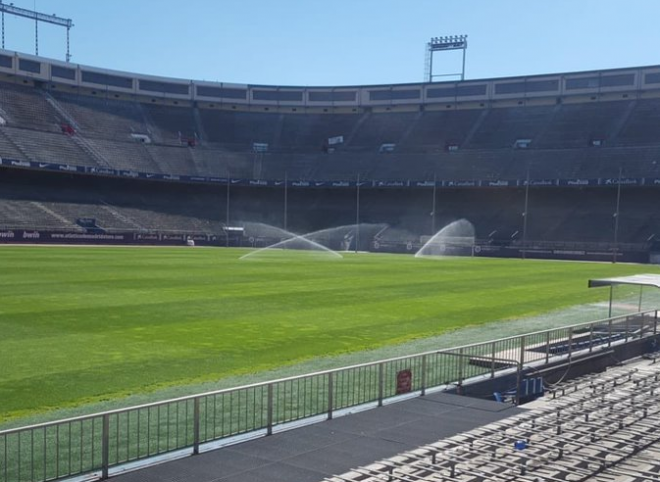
80, 324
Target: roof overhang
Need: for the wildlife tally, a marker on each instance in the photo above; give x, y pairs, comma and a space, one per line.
637, 279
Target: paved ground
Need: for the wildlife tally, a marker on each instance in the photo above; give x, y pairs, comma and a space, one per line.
309, 454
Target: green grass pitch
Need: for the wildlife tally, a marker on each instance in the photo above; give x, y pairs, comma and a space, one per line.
79, 325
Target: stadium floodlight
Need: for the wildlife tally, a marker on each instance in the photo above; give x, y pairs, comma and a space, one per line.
37, 17
441, 44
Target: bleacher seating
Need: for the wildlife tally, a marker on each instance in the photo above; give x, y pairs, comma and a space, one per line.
482, 140
383, 128
240, 128
641, 126
102, 117
41, 202
554, 214
437, 129
172, 124
601, 427
574, 125
25, 107
312, 131
503, 126
48, 147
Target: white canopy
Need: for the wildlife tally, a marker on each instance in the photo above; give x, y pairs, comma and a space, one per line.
636, 279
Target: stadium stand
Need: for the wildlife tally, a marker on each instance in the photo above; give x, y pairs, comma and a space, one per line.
573, 143
312, 131
600, 427
120, 151
37, 202
24, 106
501, 127
639, 128
241, 129
556, 215
575, 125
44, 146
438, 129
112, 132
101, 117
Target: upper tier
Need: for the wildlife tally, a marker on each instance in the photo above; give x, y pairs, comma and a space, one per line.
569, 140
610, 83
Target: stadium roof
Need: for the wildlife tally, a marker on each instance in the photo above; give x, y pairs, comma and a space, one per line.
636, 279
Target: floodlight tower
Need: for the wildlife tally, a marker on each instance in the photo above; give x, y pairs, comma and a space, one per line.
37, 17
442, 44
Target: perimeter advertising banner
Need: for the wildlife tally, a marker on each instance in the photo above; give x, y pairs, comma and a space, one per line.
375, 184
27, 236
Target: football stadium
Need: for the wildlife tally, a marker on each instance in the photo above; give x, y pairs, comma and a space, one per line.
447, 280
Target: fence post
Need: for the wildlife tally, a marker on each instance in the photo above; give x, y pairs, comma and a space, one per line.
460, 371
105, 447
522, 350
196, 426
570, 343
518, 383
492, 364
591, 338
609, 333
423, 375
627, 327
547, 347
655, 323
381, 383
330, 395
269, 413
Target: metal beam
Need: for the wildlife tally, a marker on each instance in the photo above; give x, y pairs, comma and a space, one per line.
32, 15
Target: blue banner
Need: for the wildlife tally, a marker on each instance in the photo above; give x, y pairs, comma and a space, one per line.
391, 183
423, 183
578, 182
625, 181
131, 174
498, 183
13, 163
541, 182
460, 183
105, 171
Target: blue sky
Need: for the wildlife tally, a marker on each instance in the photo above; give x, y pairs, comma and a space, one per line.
342, 42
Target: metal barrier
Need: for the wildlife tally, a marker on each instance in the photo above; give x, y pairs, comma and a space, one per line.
96, 443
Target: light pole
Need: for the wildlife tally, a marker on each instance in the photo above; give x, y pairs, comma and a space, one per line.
435, 182
524, 242
357, 213
616, 218
227, 212
286, 201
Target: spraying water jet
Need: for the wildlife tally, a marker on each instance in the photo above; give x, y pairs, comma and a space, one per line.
454, 238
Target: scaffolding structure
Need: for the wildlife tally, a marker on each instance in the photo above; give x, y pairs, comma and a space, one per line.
37, 17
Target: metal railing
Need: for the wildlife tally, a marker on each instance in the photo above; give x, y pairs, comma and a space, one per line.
95, 444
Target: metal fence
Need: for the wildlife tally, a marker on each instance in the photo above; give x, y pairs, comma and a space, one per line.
97, 443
